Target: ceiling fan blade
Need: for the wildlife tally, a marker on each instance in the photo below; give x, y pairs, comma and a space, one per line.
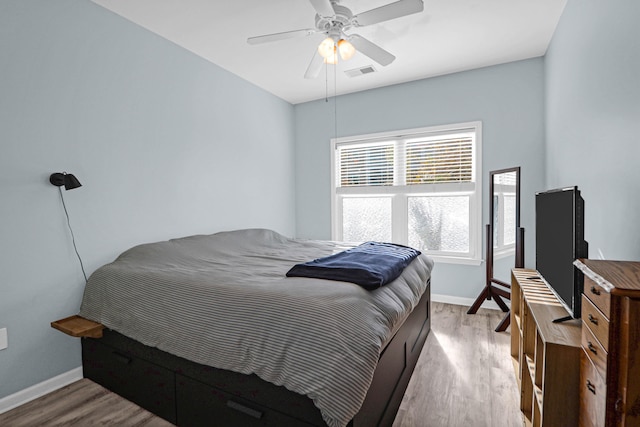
281, 36
323, 7
315, 66
372, 50
389, 11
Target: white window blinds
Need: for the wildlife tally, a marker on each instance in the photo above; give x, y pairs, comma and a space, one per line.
366, 165
428, 160
439, 161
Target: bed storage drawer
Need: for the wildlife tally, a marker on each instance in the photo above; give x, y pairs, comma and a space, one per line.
135, 379
251, 388
200, 405
419, 324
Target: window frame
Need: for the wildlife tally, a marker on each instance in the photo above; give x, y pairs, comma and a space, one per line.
400, 194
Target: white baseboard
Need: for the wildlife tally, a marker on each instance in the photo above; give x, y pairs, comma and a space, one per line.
448, 299
40, 389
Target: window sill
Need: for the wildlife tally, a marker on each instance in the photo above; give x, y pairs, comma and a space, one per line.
455, 260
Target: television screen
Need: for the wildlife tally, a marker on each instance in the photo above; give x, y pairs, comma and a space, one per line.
559, 241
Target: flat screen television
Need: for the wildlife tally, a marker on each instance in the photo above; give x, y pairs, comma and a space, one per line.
560, 241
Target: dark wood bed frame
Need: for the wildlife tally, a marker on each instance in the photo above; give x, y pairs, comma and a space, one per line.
189, 394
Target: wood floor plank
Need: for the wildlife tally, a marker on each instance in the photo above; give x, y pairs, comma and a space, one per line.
464, 377
83, 403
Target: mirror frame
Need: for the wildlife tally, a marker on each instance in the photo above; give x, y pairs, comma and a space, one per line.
504, 289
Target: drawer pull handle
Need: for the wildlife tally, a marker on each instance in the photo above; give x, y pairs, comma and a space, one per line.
591, 387
595, 291
121, 358
244, 409
593, 320
592, 348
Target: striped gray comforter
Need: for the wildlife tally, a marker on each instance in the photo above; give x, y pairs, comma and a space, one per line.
223, 300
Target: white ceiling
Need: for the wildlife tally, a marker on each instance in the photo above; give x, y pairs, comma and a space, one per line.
447, 37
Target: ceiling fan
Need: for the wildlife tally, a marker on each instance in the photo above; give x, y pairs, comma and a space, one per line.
335, 21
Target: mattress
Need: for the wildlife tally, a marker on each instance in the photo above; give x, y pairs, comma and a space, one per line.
223, 300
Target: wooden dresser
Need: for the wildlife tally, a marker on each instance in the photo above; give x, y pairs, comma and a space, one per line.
610, 360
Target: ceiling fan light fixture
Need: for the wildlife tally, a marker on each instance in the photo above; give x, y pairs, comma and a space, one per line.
332, 59
327, 48
346, 49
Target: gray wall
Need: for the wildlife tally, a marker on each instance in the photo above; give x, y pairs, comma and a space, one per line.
508, 99
164, 143
592, 71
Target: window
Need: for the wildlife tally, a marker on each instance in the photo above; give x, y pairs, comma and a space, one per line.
417, 187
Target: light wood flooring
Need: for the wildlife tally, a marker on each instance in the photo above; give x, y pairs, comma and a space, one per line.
83, 403
464, 377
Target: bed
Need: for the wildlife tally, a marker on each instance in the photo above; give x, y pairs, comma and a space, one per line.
208, 330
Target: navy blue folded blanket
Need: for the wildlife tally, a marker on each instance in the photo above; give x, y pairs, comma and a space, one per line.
370, 265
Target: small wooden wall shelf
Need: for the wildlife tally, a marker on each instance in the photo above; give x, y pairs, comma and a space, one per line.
77, 326
546, 354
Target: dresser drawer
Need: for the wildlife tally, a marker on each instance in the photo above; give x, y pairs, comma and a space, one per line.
595, 321
598, 296
593, 394
597, 354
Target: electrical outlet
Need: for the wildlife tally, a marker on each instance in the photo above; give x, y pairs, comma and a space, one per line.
3, 339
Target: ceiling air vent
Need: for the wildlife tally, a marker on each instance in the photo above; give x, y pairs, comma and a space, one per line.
360, 71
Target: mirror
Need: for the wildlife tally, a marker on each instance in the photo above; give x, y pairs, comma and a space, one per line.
504, 239
504, 221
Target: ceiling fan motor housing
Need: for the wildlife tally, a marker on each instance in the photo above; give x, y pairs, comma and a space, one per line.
337, 23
